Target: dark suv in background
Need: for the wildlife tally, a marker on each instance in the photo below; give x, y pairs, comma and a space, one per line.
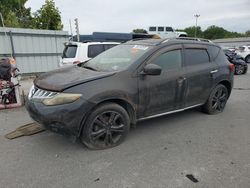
98, 101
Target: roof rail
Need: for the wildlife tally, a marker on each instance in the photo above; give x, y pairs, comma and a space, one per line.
195, 39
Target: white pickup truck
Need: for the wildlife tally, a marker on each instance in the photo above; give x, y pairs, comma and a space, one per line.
165, 32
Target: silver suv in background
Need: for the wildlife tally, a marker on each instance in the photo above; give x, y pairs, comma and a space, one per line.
76, 52
244, 51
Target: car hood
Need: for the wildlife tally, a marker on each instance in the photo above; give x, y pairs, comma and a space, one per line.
64, 78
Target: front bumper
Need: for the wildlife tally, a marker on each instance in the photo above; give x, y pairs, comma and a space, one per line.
64, 119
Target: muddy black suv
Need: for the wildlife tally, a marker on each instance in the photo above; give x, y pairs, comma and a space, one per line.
99, 100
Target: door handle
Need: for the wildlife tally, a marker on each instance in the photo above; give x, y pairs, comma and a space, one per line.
181, 80
214, 71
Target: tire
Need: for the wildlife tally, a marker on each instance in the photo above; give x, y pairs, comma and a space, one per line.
245, 71
239, 69
217, 100
106, 127
247, 59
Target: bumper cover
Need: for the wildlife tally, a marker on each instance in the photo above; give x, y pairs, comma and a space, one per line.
64, 119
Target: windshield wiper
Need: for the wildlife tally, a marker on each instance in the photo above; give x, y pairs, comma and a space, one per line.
90, 68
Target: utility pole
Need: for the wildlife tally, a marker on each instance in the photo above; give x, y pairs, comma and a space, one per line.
71, 33
77, 29
196, 21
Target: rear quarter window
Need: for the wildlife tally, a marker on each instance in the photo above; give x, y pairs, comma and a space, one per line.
196, 56
214, 51
70, 51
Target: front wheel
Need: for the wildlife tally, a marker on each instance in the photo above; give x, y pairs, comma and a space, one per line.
106, 127
217, 100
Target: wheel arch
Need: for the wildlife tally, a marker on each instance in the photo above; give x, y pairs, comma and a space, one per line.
227, 84
122, 102
248, 56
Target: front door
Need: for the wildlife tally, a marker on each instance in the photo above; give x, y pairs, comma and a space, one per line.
164, 92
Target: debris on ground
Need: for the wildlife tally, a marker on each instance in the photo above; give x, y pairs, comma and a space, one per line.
192, 178
25, 130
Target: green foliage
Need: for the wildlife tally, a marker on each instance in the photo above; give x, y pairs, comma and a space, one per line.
191, 31
247, 34
15, 14
214, 32
48, 17
140, 31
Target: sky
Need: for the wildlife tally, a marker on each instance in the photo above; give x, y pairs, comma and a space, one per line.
126, 15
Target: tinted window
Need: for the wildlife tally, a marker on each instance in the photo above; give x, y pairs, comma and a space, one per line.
169, 60
160, 28
196, 56
169, 29
214, 51
152, 29
70, 51
108, 46
94, 50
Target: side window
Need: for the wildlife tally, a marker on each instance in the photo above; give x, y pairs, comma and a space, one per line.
108, 46
169, 60
160, 29
94, 50
169, 29
152, 29
196, 56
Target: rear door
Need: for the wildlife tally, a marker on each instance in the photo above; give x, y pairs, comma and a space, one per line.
164, 92
200, 74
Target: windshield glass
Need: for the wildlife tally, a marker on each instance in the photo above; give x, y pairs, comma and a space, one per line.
117, 58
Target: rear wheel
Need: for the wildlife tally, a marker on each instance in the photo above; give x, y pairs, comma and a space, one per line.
239, 69
217, 100
106, 127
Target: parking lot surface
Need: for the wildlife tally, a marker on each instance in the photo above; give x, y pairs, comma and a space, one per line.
212, 150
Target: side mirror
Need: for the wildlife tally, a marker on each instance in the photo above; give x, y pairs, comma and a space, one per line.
152, 69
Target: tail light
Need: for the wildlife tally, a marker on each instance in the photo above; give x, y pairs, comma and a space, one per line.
76, 62
231, 67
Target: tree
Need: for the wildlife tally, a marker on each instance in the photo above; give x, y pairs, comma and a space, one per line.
48, 17
140, 31
15, 14
215, 32
247, 34
191, 31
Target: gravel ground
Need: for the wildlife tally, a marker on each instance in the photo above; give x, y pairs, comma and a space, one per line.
212, 150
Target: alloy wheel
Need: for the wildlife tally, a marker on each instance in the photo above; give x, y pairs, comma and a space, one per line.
219, 99
107, 128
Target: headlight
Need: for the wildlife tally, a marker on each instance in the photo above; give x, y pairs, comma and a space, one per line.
31, 92
61, 98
